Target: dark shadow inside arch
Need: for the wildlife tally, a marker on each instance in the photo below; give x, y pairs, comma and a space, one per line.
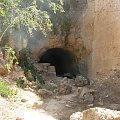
63, 60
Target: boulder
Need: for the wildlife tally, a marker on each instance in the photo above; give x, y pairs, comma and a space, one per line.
44, 93
64, 88
101, 114
96, 113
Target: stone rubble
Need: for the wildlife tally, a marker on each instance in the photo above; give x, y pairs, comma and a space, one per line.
81, 81
96, 113
85, 95
44, 93
64, 89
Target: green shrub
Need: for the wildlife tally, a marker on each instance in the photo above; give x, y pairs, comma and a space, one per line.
29, 15
29, 67
20, 83
6, 91
10, 58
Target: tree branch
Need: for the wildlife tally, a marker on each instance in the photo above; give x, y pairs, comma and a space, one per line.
4, 32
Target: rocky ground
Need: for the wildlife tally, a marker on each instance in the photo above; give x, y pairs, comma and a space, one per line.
60, 97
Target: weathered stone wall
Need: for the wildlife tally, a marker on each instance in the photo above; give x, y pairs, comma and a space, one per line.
106, 43
99, 28
94, 36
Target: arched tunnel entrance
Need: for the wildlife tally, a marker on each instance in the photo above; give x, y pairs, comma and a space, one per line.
63, 60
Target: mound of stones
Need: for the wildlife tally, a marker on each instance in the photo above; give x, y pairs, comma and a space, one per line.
96, 113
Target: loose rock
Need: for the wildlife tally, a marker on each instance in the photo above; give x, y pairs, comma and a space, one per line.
23, 100
76, 116
86, 95
80, 81
96, 113
19, 118
50, 86
64, 89
44, 93
100, 114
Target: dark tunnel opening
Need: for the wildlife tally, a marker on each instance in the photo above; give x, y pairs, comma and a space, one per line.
63, 60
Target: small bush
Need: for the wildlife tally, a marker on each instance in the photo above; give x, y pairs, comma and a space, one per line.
20, 83
6, 91
10, 58
28, 67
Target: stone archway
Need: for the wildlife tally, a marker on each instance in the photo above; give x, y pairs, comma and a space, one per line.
63, 60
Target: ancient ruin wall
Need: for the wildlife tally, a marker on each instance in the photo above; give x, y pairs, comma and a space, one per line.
94, 36
106, 41
98, 26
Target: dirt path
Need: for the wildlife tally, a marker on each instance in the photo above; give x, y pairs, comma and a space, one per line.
28, 106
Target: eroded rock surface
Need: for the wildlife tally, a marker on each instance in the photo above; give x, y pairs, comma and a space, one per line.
96, 113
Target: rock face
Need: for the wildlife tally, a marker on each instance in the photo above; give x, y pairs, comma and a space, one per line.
106, 45
3, 70
93, 36
96, 114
